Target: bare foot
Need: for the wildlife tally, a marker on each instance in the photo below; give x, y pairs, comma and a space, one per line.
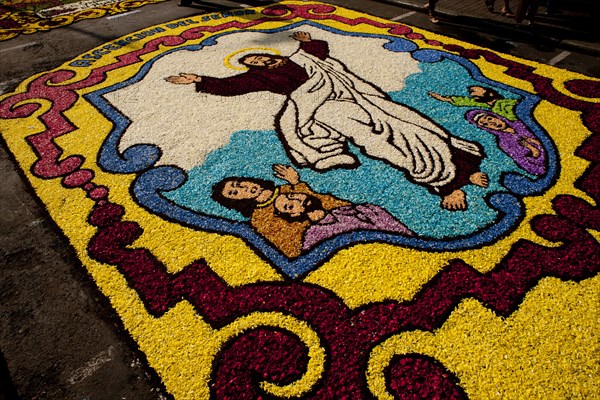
479, 179
455, 201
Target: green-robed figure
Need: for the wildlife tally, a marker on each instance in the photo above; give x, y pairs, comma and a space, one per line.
483, 98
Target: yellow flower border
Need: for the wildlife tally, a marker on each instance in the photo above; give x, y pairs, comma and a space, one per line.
547, 349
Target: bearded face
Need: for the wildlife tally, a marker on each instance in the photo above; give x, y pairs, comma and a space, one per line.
262, 60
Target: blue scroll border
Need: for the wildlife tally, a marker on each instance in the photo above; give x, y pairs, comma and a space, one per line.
151, 180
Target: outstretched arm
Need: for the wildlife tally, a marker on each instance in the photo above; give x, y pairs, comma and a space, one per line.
184, 79
534, 142
438, 96
317, 48
302, 36
286, 173
230, 86
530, 144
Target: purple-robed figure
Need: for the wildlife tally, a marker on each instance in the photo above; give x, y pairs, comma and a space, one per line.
325, 224
514, 138
352, 218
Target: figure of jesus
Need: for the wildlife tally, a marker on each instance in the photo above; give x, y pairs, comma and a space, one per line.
328, 106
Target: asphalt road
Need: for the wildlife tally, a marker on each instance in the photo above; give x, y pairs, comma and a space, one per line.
58, 335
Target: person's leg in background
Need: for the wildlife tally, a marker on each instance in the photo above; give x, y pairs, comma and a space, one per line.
506, 11
551, 8
532, 10
430, 7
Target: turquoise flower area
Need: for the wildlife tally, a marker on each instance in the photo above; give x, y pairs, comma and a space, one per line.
253, 153
184, 196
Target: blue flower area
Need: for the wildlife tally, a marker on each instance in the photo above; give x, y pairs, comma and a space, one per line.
252, 154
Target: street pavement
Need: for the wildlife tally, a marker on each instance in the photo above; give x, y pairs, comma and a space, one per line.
58, 335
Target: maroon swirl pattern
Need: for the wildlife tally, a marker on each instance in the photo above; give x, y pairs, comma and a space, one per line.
348, 336
414, 376
262, 354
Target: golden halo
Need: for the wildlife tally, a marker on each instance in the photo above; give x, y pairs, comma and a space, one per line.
231, 60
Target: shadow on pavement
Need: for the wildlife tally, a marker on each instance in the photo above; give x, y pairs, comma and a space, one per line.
573, 23
7, 390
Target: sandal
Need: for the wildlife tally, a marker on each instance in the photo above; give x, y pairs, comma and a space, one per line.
433, 18
507, 13
490, 5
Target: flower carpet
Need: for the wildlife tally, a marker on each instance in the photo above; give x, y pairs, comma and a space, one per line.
304, 201
19, 17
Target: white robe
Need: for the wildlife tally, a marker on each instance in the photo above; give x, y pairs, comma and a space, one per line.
335, 105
